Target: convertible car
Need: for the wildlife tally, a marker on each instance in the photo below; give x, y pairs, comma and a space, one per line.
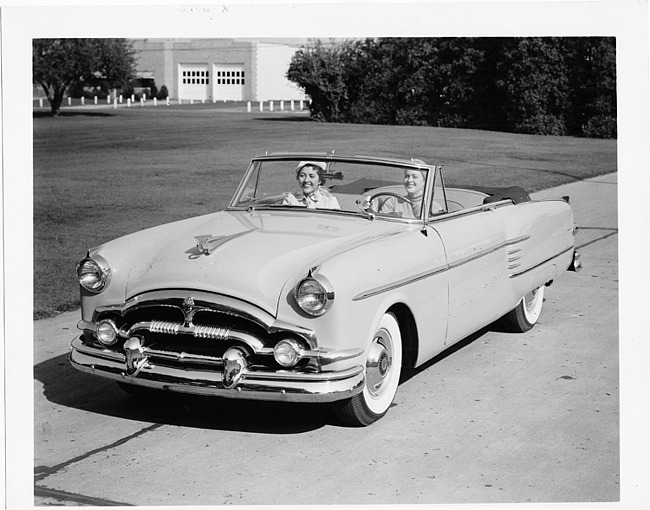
323, 278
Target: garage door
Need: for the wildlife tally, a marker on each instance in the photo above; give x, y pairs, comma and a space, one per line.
229, 81
194, 81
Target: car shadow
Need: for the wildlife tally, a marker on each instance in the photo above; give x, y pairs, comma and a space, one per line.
75, 113
65, 386
409, 373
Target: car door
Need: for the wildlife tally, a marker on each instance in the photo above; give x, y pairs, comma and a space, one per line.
476, 249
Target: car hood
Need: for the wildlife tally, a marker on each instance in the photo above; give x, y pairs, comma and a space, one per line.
253, 254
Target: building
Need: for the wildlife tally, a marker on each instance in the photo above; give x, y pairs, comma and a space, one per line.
217, 69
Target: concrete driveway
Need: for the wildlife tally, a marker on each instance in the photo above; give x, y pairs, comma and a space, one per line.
502, 418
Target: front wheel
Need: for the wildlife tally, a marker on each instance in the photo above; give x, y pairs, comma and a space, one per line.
527, 312
382, 373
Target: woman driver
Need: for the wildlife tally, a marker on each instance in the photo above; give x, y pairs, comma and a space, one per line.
414, 181
310, 180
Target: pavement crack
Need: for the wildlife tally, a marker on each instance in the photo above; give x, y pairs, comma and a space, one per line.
44, 492
613, 232
42, 472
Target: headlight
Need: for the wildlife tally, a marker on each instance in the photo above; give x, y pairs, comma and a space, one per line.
287, 352
312, 296
106, 332
92, 276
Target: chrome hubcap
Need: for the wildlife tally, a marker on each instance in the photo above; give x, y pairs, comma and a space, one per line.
378, 367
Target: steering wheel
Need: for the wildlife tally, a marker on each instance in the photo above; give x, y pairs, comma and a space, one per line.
389, 194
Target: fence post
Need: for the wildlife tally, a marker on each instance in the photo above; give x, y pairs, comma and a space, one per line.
69, 101
271, 105
155, 101
301, 105
261, 106
114, 103
248, 106
40, 102
167, 99
120, 98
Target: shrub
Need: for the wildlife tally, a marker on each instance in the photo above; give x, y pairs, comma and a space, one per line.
601, 126
163, 93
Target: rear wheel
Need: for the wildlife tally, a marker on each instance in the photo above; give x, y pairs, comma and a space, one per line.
382, 373
527, 312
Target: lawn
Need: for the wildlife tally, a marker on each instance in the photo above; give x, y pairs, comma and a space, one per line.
100, 173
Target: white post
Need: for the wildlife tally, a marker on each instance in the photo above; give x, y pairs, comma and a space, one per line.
248, 106
293, 107
120, 98
128, 102
282, 106
95, 100
142, 101
108, 99
155, 101
83, 100
191, 101
167, 99
133, 98
202, 101
144, 96
114, 103
301, 105
69, 101
261, 106
40, 102
271, 105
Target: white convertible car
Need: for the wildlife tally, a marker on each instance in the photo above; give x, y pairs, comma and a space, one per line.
322, 279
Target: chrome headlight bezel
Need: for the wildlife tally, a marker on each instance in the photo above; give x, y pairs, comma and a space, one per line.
314, 295
93, 273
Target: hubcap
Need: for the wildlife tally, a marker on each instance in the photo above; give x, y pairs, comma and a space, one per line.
378, 367
529, 300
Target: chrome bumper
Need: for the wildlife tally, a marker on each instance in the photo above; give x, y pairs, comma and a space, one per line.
280, 385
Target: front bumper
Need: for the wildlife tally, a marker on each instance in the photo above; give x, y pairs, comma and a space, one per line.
275, 385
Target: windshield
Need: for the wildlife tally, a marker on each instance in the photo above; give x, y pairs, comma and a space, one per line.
359, 187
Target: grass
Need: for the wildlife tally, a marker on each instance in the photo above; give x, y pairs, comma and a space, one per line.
100, 173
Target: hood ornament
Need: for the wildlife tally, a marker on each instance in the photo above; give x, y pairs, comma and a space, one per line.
188, 309
207, 244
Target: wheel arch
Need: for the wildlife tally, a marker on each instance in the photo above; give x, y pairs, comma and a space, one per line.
408, 330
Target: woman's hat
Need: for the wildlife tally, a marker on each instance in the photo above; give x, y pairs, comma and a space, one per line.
319, 164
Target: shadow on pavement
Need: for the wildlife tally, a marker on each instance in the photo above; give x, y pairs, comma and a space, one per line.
74, 113
63, 385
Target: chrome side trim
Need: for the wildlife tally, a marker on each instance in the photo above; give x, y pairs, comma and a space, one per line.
488, 251
400, 283
521, 273
407, 281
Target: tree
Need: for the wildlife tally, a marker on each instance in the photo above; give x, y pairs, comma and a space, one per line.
61, 63
320, 71
535, 78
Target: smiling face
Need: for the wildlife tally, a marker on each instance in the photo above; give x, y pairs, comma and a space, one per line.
308, 179
414, 183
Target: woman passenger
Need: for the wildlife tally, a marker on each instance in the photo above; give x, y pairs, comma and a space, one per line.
310, 179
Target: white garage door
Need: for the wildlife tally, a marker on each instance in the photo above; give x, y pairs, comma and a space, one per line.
229, 81
195, 82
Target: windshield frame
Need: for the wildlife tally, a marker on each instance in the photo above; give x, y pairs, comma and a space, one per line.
433, 173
